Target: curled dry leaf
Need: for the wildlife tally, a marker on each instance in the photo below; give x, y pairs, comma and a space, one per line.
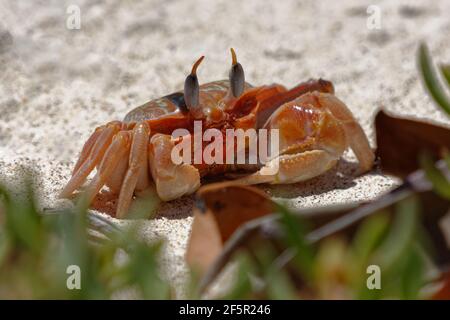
219, 210
401, 141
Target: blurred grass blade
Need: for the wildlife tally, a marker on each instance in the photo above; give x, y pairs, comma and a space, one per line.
430, 79
413, 275
445, 69
242, 286
279, 285
4, 243
143, 270
296, 237
400, 236
23, 222
368, 236
436, 177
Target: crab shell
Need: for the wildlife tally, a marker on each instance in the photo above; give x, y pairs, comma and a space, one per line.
314, 126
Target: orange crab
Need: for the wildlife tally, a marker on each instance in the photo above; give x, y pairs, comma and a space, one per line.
315, 128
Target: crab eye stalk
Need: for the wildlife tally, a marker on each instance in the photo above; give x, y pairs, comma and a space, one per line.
237, 77
191, 87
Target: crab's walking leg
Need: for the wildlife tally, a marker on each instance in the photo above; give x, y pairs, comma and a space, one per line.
119, 147
115, 179
89, 144
172, 180
96, 154
137, 160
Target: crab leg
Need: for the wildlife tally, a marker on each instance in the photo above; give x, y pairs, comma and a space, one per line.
137, 160
118, 148
95, 156
87, 148
115, 179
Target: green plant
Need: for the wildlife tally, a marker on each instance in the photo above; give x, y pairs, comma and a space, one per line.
36, 250
338, 264
431, 80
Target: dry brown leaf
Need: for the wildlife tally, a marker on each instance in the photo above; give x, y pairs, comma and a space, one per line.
219, 210
400, 141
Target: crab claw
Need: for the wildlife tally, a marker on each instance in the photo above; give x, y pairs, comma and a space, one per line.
314, 131
172, 180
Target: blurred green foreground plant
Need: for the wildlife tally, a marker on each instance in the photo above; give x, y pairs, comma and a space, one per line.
339, 267
432, 83
36, 250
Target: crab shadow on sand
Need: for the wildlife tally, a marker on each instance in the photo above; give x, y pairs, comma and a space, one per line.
341, 177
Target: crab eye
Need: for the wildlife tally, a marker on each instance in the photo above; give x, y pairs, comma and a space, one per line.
191, 87
237, 77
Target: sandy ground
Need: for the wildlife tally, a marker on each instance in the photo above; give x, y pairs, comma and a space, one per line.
57, 84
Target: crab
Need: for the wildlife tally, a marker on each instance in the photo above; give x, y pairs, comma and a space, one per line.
315, 128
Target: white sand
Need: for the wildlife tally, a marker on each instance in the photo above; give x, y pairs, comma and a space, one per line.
57, 85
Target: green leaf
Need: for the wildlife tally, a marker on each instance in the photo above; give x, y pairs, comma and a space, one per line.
279, 286
23, 222
369, 235
436, 177
296, 237
413, 274
400, 236
430, 79
242, 286
445, 69
143, 270
4, 245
